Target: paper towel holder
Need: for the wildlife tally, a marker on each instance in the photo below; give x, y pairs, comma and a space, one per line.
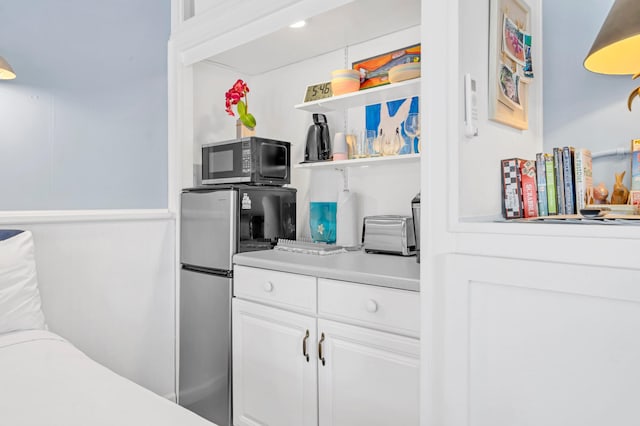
347, 226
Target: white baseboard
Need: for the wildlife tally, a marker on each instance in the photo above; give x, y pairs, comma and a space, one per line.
56, 216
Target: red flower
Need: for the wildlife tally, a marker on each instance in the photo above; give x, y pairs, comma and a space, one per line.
234, 96
240, 87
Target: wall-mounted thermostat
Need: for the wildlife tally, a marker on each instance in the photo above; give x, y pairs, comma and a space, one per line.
470, 107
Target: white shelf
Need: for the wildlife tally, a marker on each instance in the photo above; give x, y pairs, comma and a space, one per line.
389, 92
359, 162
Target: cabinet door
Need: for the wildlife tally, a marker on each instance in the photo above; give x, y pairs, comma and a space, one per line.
535, 343
274, 383
368, 377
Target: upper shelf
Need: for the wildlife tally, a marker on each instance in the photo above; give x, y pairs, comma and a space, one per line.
359, 162
389, 92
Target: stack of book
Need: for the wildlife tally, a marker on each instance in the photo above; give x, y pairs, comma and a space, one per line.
556, 183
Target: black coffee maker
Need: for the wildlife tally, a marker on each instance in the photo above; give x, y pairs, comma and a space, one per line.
318, 140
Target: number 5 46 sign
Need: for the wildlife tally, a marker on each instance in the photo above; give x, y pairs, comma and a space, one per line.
318, 91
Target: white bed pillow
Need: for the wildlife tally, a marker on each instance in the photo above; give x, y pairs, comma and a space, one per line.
20, 307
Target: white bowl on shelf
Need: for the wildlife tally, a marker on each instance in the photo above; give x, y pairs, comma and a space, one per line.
404, 72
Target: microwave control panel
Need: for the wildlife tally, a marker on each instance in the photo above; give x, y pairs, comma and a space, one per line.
246, 156
246, 160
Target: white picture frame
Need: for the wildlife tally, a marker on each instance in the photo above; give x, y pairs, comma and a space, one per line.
508, 101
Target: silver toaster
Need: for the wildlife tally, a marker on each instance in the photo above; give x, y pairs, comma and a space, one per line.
389, 234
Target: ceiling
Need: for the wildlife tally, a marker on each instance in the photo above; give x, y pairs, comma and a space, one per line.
353, 23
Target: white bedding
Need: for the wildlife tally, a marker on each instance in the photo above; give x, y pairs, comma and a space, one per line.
46, 381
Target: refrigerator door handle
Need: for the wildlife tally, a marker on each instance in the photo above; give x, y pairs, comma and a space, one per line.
209, 271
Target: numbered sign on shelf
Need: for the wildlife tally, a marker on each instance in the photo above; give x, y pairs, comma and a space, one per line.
318, 91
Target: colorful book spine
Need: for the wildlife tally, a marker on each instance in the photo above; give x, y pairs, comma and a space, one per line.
511, 188
583, 177
587, 165
529, 188
568, 173
541, 177
551, 184
635, 165
557, 167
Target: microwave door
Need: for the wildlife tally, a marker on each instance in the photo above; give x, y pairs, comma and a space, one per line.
225, 162
208, 229
274, 164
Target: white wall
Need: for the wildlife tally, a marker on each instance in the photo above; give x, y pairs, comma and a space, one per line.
108, 287
211, 122
581, 108
386, 189
578, 108
84, 124
479, 171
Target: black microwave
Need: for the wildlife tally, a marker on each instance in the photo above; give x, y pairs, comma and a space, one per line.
252, 160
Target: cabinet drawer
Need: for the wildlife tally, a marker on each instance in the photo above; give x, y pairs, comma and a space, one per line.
377, 307
290, 291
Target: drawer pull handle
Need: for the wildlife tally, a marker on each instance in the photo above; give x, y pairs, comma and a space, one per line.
320, 345
304, 346
268, 286
372, 306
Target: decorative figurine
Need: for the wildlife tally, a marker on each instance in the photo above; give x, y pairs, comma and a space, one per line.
620, 192
600, 194
589, 195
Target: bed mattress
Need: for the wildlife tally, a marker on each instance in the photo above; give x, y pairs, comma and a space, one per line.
45, 380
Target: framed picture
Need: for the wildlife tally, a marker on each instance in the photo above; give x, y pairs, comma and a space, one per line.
374, 71
389, 117
510, 70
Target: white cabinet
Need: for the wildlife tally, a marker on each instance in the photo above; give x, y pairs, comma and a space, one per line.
368, 377
382, 308
285, 363
290, 291
274, 377
551, 344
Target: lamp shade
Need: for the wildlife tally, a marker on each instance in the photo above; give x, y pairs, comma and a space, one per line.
6, 72
616, 49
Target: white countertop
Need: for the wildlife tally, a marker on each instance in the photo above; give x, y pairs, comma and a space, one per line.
356, 266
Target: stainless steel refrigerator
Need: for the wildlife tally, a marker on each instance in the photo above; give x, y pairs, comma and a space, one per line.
216, 222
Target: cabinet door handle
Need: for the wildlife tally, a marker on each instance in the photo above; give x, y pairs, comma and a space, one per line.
320, 346
268, 286
304, 346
